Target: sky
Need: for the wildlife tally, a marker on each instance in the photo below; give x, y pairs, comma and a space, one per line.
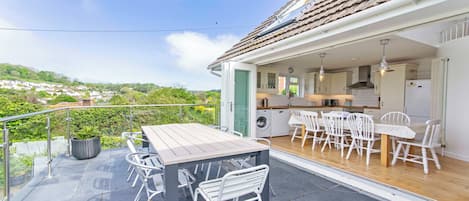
177, 57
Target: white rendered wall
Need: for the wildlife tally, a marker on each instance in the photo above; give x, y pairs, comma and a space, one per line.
457, 107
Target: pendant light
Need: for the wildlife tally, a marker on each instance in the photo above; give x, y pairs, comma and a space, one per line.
383, 65
321, 71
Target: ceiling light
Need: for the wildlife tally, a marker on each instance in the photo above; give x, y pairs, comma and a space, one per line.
321, 71
383, 65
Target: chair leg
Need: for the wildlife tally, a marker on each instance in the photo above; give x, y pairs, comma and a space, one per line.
314, 140
135, 181
425, 160
219, 169
130, 175
406, 152
368, 152
328, 141
294, 134
396, 154
208, 171
435, 159
342, 146
137, 197
304, 139
350, 149
393, 144
272, 190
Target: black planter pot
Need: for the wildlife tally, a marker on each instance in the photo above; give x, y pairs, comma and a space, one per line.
86, 149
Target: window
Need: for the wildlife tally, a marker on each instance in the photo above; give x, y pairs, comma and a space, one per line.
287, 16
282, 85
288, 86
294, 87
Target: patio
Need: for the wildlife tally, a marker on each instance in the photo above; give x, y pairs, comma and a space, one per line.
103, 178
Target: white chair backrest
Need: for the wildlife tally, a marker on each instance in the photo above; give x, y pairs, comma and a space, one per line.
241, 182
311, 120
340, 113
261, 140
237, 133
142, 167
396, 118
361, 126
131, 145
295, 117
334, 124
432, 133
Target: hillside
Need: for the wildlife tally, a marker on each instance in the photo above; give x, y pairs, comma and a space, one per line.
23, 73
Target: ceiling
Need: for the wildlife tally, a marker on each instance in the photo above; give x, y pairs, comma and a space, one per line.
363, 53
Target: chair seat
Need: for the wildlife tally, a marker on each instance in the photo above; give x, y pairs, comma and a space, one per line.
417, 143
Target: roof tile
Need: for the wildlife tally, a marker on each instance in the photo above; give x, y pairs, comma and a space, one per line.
323, 12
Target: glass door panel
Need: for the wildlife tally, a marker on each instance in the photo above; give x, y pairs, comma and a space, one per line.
241, 101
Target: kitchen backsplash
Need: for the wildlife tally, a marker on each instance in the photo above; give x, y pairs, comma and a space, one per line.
365, 97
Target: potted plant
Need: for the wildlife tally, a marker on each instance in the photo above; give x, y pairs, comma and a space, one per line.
86, 143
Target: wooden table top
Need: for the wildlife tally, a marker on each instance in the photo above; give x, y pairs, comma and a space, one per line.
180, 143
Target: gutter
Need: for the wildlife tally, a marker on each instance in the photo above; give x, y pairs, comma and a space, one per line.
309, 35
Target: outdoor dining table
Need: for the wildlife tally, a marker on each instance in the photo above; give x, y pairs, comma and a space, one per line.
387, 129
185, 145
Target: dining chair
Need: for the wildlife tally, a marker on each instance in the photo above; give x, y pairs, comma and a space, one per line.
295, 122
334, 127
131, 145
430, 141
152, 176
395, 118
311, 121
234, 185
362, 130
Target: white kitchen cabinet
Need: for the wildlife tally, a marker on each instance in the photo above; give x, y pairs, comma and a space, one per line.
334, 83
323, 87
267, 81
310, 83
339, 83
393, 87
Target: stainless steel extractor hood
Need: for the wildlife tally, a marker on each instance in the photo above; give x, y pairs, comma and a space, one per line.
364, 74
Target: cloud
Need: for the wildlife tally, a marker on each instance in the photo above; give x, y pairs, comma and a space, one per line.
195, 51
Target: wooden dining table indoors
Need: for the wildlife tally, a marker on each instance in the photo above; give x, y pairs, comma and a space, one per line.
388, 129
185, 145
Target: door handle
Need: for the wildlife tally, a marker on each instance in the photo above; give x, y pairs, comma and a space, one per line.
231, 106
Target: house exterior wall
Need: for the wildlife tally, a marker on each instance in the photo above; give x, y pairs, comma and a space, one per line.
457, 108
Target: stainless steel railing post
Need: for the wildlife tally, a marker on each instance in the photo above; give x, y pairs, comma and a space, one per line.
49, 151
180, 114
69, 136
131, 119
6, 162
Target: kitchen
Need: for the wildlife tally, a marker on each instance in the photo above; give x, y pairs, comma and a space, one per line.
359, 88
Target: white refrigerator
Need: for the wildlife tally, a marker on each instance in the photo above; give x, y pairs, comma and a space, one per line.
418, 100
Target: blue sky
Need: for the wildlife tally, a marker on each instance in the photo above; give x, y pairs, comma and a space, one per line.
172, 58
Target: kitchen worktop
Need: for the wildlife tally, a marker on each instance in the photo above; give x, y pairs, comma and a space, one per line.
306, 107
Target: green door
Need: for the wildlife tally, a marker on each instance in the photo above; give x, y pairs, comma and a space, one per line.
241, 102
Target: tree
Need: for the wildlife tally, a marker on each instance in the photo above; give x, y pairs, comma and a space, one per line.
118, 100
62, 98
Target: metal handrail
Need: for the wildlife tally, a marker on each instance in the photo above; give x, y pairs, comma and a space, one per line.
6, 140
23, 116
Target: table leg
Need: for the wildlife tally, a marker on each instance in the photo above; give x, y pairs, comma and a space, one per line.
385, 149
171, 182
263, 158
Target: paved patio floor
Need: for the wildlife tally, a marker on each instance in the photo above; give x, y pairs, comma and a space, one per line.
104, 179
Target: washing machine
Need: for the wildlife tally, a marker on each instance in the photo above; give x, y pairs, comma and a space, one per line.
263, 123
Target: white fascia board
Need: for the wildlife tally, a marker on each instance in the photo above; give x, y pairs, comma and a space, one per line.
373, 15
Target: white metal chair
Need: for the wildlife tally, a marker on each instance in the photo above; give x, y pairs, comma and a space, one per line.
131, 140
152, 176
431, 140
311, 121
334, 126
234, 185
362, 130
295, 122
396, 118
